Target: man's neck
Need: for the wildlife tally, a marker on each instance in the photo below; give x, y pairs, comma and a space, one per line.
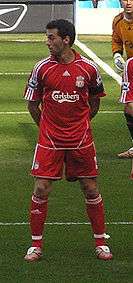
67, 57
128, 17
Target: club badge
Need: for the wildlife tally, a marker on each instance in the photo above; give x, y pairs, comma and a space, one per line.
80, 81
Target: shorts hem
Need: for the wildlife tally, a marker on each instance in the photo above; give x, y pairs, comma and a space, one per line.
73, 179
87, 176
46, 177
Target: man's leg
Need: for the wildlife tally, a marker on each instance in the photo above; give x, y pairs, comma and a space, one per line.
128, 112
38, 214
95, 3
95, 213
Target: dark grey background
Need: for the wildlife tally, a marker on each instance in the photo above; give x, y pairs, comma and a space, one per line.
37, 16
35, 1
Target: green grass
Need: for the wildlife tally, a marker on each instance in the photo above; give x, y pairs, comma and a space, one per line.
69, 249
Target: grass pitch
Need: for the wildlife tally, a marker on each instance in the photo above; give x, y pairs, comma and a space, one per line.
68, 251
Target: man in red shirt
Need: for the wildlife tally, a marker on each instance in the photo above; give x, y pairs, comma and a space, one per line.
69, 88
127, 99
122, 41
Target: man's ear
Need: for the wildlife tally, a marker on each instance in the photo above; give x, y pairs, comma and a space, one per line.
66, 40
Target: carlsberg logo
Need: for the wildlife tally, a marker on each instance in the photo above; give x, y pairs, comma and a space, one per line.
65, 97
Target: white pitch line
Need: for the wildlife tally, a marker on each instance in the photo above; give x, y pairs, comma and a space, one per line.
65, 223
22, 40
14, 113
26, 112
100, 62
83, 47
110, 112
15, 74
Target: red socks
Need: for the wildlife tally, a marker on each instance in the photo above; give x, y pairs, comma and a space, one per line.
38, 214
95, 212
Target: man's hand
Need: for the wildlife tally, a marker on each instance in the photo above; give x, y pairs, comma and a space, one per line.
35, 111
119, 62
94, 103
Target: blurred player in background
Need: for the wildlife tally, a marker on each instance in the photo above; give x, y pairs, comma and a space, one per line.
108, 4
69, 87
120, 3
122, 40
100, 4
95, 3
127, 93
89, 4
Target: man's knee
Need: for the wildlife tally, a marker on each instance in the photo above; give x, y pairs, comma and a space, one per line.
89, 187
129, 119
42, 188
128, 109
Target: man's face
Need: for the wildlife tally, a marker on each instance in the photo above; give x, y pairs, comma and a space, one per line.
54, 42
127, 5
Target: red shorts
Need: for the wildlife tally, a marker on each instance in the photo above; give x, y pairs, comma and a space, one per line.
79, 163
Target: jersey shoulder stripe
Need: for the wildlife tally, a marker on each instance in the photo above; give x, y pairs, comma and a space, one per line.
118, 18
86, 66
33, 80
41, 64
38, 66
44, 60
89, 62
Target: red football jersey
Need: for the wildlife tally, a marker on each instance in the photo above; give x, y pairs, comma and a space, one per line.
127, 82
64, 90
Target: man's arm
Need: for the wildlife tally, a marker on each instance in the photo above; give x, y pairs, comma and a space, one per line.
119, 62
94, 103
35, 111
117, 43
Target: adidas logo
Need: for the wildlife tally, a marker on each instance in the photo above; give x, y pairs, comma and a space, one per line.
66, 74
36, 211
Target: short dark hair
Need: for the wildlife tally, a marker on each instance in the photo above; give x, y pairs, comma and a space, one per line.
64, 28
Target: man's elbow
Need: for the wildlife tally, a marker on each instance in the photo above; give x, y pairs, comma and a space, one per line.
32, 106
